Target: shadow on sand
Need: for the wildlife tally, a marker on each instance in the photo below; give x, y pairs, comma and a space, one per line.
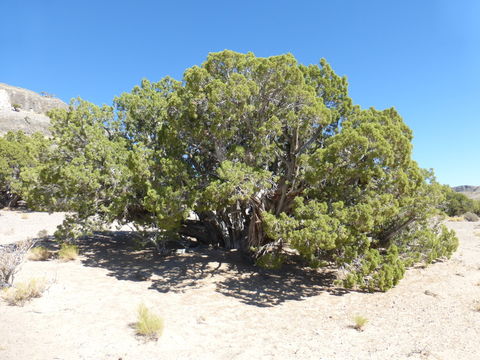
234, 277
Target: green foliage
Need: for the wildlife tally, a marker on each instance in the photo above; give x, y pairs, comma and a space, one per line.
16, 107
257, 154
457, 204
359, 322
270, 261
19, 153
376, 271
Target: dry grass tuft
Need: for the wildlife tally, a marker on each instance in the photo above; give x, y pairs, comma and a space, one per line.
68, 252
148, 324
24, 292
25, 216
455, 218
39, 253
360, 322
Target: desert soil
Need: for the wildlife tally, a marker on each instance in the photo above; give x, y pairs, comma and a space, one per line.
216, 307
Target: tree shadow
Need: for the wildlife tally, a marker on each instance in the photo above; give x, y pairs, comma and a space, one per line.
269, 288
234, 277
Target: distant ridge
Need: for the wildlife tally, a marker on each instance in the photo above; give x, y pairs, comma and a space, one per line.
471, 191
22, 109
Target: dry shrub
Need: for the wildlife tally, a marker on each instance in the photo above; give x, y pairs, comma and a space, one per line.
24, 292
68, 252
148, 324
25, 216
39, 253
12, 257
455, 218
359, 322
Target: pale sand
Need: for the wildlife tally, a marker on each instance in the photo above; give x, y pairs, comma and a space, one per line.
215, 307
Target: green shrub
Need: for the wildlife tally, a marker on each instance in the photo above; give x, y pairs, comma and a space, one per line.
359, 322
270, 261
376, 271
16, 107
68, 252
456, 203
20, 154
148, 324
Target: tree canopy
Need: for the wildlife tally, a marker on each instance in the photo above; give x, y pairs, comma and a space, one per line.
264, 155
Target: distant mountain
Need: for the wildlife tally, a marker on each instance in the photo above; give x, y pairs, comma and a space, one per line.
22, 109
471, 191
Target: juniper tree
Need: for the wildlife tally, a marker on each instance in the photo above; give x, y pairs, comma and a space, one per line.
18, 152
256, 154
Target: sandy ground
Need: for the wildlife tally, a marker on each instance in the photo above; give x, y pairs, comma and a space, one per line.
216, 307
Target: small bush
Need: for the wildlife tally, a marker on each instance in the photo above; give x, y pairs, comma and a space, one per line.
360, 322
68, 252
148, 324
270, 261
469, 216
24, 292
16, 107
39, 253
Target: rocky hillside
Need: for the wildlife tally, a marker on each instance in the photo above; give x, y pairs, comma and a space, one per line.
471, 191
22, 109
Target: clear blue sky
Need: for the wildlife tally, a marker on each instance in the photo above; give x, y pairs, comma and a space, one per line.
422, 57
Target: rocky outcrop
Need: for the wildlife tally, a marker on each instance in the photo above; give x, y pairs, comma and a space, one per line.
22, 109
